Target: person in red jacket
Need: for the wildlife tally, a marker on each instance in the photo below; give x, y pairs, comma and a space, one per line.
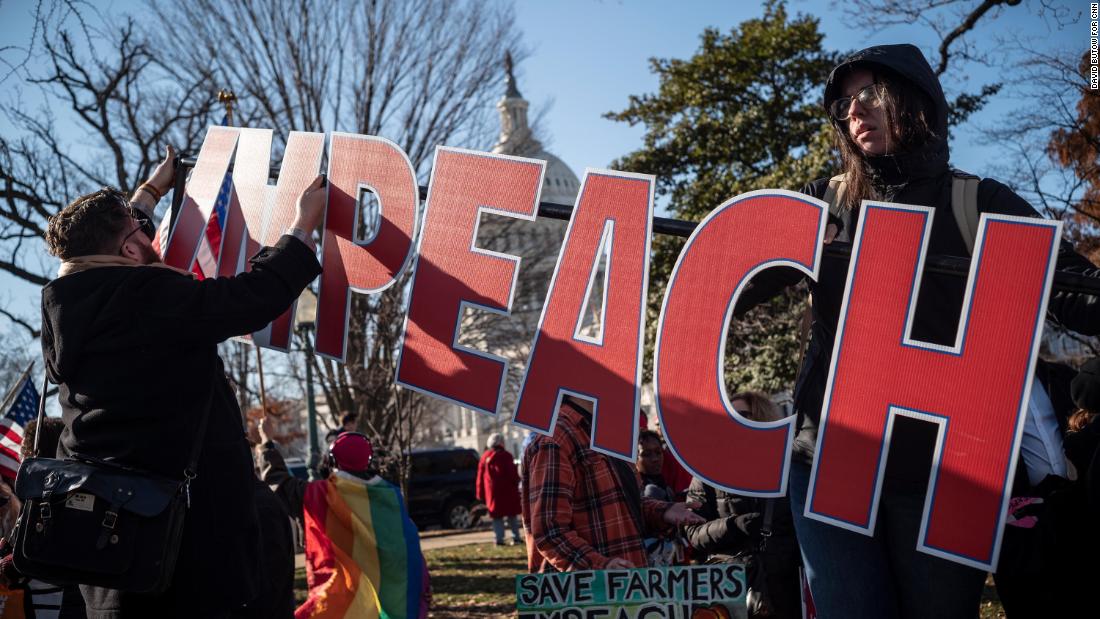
498, 486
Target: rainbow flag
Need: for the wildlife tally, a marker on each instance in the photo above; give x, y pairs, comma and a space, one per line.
362, 552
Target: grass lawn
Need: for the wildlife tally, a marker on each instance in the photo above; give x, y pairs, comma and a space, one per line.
478, 580
475, 580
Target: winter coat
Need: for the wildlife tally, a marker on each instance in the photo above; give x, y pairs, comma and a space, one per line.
654, 487
733, 528
498, 483
276, 597
134, 352
920, 177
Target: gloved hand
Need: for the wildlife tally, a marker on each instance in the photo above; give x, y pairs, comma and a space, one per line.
11, 576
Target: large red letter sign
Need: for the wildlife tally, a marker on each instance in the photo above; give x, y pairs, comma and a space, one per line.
613, 219
198, 200
975, 391
452, 274
244, 224
751, 232
358, 163
265, 212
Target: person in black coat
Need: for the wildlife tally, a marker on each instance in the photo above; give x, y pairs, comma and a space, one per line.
132, 345
734, 523
889, 116
276, 595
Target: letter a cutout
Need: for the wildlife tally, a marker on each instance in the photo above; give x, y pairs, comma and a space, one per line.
613, 218
976, 391
752, 232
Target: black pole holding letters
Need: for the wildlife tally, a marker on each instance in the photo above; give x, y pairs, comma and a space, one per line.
182, 164
946, 265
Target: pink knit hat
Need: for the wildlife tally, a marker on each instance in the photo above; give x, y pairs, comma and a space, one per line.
352, 452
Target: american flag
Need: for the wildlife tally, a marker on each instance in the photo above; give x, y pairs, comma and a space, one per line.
23, 408
206, 261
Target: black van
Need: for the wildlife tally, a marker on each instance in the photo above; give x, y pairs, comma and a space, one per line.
442, 488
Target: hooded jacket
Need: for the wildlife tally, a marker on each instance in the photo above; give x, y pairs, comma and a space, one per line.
498, 482
923, 177
134, 352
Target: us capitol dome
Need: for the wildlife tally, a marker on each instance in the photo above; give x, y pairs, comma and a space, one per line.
560, 184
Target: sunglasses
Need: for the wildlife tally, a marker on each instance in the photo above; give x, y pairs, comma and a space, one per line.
870, 96
145, 226
144, 223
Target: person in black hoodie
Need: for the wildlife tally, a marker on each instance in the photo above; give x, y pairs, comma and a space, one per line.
132, 345
736, 530
889, 117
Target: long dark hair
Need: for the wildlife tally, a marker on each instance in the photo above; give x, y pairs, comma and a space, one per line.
909, 114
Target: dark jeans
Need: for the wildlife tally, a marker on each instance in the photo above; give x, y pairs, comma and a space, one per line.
882, 577
114, 604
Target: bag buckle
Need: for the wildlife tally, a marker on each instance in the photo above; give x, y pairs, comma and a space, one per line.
187, 477
110, 519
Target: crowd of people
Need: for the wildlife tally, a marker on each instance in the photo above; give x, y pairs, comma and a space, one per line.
132, 345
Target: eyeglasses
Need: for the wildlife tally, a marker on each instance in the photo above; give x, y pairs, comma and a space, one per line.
144, 223
870, 96
145, 226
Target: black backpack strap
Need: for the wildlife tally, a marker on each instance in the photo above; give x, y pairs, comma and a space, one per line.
964, 205
766, 526
197, 448
41, 413
190, 472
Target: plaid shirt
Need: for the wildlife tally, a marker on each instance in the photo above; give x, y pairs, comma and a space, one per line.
574, 508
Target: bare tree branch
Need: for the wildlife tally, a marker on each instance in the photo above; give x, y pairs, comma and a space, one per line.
117, 104
419, 72
33, 332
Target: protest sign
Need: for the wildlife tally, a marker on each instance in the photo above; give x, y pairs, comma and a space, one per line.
613, 223
690, 592
197, 204
452, 273
257, 214
357, 164
975, 391
689, 385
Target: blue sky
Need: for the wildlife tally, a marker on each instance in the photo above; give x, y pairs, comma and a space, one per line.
588, 56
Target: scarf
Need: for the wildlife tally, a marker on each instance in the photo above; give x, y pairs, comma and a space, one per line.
96, 261
889, 174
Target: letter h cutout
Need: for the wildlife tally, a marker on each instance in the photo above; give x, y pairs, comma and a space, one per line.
976, 391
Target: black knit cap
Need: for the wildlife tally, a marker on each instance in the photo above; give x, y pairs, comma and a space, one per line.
1085, 387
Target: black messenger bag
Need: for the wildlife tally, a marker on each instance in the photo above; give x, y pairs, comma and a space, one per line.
90, 522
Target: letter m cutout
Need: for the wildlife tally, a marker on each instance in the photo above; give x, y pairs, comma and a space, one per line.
976, 391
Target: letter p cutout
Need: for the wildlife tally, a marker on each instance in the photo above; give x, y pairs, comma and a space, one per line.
975, 391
